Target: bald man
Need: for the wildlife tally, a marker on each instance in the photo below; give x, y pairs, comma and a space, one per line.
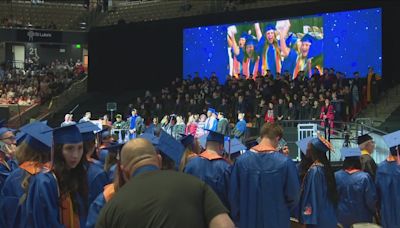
155, 198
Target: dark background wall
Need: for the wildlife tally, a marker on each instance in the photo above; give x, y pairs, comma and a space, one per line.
148, 55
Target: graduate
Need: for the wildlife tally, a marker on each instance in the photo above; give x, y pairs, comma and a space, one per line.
264, 184
269, 50
211, 167
240, 127
250, 59
7, 163
58, 198
211, 121
170, 149
112, 159
388, 183
192, 148
318, 196
367, 146
33, 153
96, 178
356, 189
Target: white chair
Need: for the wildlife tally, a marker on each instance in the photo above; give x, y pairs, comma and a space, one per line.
365, 225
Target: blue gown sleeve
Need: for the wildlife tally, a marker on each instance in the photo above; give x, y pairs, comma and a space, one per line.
97, 185
94, 210
234, 192
292, 186
309, 210
370, 195
42, 202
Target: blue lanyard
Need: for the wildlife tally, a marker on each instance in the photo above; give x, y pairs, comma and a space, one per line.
145, 168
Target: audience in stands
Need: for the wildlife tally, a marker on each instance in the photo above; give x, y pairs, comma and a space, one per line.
37, 83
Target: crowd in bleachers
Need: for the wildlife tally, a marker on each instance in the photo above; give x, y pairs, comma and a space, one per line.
329, 97
37, 83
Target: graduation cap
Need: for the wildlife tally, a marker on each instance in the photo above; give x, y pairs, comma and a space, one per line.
212, 110
392, 140
251, 142
303, 144
87, 130
233, 145
307, 38
69, 134
150, 137
350, 152
114, 147
321, 144
171, 148
269, 27
37, 135
250, 42
19, 137
363, 138
244, 35
214, 136
187, 140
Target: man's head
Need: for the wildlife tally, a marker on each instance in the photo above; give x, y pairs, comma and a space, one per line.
271, 133
137, 153
118, 117
366, 142
220, 115
88, 115
134, 112
240, 116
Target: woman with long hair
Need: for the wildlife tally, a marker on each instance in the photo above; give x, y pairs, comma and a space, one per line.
97, 178
356, 189
318, 199
59, 197
33, 155
192, 148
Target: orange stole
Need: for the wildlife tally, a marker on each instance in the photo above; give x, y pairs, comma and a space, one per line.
108, 192
210, 156
34, 167
68, 218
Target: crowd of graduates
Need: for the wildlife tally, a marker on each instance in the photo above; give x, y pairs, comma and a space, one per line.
63, 177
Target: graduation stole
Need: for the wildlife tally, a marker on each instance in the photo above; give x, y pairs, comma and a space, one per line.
33, 167
246, 67
264, 65
210, 156
68, 218
108, 192
263, 148
351, 170
236, 67
301, 64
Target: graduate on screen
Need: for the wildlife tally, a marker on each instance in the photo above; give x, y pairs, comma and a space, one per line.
250, 60
237, 50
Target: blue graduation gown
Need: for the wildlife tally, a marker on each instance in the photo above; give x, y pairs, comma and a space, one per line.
97, 179
42, 203
214, 171
11, 193
5, 171
357, 197
94, 210
111, 173
316, 210
388, 188
263, 189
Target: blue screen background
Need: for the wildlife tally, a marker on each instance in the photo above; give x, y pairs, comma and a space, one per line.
352, 42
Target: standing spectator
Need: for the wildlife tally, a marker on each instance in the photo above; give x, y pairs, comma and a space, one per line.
281, 110
200, 126
132, 124
179, 128
261, 109
191, 126
373, 84
223, 124
327, 115
270, 114
268, 181
315, 111
304, 108
240, 129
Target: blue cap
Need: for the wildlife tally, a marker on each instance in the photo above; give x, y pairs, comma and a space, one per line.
171, 148
303, 144
307, 38
215, 137
250, 42
350, 152
67, 135
244, 35
321, 144
292, 39
392, 140
187, 140
212, 110
150, 137
269, 27
114, 147
235, 145
37, 135
87, 130
20, 137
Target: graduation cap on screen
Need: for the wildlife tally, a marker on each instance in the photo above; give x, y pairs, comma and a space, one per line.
303, 144
187, 140
171, 148
233, 145
87, 130
307, 38
392, 140
347, 152
151, 138
37, 135
250, 41
269, 27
